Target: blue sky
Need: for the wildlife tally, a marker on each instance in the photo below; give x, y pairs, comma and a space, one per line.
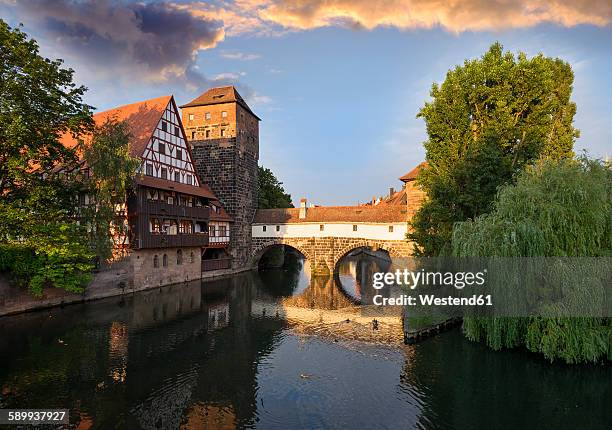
338, 100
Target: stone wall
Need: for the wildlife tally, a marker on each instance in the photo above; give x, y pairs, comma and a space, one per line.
146, 275
229, 168
325, 252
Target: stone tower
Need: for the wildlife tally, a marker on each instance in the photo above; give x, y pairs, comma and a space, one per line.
224, 136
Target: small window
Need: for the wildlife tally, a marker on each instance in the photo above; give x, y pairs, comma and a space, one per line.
190, 117
165, 260
156, 261
207, 115
164, 173
211, 230
164, 126
207, 134
354, 227
191, 257
390, 229
179, 154
149, 169
322, 227
224, 114
162, 147
177, 131
264, 228
179, 257
222, 132
278, 228
177, 177
193, 135
189, 180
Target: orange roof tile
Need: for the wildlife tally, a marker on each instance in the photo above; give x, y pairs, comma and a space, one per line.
412, 175
219, 95
370, 214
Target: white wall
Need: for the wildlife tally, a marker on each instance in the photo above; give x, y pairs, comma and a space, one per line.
364, 230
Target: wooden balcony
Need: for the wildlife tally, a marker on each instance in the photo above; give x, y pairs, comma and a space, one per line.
160, 208
216, 264
154, 240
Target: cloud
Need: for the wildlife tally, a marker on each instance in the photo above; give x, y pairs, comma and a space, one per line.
152, 41
241, 56
452, 15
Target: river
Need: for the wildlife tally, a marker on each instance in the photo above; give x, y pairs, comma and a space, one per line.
273, 350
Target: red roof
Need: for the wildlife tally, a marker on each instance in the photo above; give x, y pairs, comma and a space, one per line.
412, 175
220, 95
369, 214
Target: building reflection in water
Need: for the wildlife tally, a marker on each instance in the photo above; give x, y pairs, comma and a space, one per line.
210, 355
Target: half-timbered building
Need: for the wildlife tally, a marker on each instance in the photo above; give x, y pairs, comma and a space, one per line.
174, 220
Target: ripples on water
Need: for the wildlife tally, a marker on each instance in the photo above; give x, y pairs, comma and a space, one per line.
274, 350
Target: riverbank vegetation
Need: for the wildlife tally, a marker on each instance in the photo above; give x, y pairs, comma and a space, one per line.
46, 236
555, 209
488, 120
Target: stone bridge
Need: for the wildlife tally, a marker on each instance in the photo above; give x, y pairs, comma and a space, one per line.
323, 235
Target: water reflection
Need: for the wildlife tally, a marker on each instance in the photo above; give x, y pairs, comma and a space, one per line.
274, 350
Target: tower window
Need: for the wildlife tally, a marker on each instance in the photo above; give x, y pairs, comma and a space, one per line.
354, 227
207, 134
222, 132
193, 134
149, 169
190, 117
224, 114
207, 115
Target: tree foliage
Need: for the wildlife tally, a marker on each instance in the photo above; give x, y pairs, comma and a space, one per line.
112, 170
555, 209
40, 241
490, 118
271, 192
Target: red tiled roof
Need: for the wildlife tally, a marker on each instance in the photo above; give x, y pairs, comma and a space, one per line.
142, 118
370, 214
219, 95
412, 175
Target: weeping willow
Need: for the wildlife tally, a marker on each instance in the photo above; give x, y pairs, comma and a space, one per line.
555, 209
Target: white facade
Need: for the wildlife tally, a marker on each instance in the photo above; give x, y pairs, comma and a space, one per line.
376, 231
166, 155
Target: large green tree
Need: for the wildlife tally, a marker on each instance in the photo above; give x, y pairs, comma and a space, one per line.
271, 192
556, 209
40, 241
490, 118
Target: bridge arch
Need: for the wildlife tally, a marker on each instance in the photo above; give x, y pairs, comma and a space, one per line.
372, 244
262, 248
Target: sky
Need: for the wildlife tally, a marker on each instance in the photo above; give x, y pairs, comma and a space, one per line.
337, 83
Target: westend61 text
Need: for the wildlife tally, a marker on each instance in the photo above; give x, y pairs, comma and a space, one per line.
431, 300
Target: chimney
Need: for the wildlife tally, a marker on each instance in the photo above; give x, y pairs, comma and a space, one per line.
302, 208
391, 191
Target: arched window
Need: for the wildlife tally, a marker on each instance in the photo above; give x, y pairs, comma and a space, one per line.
179, 257
165, 260
191, 259
156, 261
